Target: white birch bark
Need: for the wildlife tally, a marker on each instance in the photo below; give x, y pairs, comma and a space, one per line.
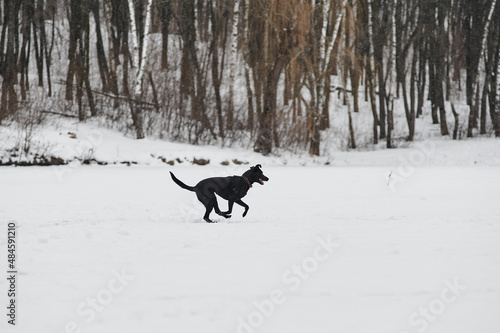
147, 32
498, 83
234, 55
318, 90
325, 49
139, 56
482, 64
245, 33
370, 34
135, 42
334, 35
324, 39
139, 60
327, 53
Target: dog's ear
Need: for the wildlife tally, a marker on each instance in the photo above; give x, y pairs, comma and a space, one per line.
256, 168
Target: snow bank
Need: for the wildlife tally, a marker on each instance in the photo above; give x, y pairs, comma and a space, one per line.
77, 142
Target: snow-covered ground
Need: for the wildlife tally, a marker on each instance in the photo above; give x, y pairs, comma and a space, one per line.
386, 241
75, 141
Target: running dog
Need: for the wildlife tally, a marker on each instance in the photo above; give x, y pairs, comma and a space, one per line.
231, 188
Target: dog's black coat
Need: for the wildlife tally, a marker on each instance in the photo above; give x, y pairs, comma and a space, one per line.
230, 188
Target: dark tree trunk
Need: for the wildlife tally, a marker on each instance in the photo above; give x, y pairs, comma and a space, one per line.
216, 81
8, 101
166, 15
373, 104
264, 141
410, 117
250, 119
457, 123
352, 141
28, 12
39, 39
74, 35
422, 60
78, 54
101, 55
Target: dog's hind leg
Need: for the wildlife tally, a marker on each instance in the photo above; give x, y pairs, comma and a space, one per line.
209, 205
206, 217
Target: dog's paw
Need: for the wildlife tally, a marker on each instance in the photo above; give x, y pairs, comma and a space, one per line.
245, 213
227, 216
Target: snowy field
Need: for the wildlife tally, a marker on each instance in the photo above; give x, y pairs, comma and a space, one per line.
322, 249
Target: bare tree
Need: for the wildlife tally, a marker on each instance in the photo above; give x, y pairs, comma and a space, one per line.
78, 54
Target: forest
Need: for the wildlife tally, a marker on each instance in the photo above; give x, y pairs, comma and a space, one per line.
269, 73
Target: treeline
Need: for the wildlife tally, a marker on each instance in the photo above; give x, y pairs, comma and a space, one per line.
266, 70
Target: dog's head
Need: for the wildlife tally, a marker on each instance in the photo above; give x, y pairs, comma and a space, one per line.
255, 175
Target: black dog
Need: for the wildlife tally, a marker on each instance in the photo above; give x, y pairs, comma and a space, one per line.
230, 188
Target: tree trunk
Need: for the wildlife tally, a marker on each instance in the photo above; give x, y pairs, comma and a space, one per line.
457, 123
101, 56
216, 81
494, 60
27, 21
474, 110
165, 14
250, 118
8, 101
139, 61
232, 65
369, 72
264, 136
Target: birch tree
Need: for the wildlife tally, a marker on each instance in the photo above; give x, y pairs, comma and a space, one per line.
494, 80
139, 62
370, 70
481, 67
320, 61
392, 73
232, 64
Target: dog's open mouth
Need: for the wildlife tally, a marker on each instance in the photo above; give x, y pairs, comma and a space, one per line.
261, 181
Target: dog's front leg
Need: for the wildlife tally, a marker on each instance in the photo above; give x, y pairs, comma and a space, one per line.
217, 210
244, 205
230, 204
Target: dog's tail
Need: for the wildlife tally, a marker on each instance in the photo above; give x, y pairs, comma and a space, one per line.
181, 184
